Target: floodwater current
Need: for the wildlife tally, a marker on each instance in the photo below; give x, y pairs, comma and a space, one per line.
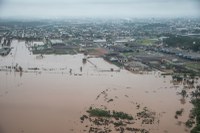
51, 99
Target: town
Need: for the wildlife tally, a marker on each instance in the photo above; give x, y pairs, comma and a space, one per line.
168, 45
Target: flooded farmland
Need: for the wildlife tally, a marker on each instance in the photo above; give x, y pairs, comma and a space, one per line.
54, 91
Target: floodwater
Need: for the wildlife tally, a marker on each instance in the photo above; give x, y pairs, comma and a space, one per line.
52, 100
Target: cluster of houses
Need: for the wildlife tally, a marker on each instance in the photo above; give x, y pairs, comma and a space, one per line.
52, 46
5, 51
5, 47
181, 53
128, 63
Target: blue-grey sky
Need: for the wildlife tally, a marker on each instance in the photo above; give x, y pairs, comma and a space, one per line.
98, 8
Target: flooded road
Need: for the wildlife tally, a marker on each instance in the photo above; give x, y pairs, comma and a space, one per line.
51, 99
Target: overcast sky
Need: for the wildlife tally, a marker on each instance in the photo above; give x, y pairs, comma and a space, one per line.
99, 8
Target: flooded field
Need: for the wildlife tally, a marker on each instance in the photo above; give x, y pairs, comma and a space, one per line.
53, 92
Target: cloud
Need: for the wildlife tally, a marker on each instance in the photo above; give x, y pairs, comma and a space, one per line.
115, 8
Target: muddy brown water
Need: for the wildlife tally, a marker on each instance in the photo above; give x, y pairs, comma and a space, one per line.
51, 100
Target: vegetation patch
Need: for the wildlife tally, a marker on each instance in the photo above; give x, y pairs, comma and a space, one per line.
101, 120
122, 115
178, 113
196, 114
183, 42
189, 123
147, 117
193, 65
147, 41
97, 112
194, 119
117, 124
178, 78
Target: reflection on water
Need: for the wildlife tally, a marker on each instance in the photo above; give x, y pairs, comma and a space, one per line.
49, 99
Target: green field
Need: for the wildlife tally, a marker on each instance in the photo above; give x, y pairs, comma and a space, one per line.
195, 66
146, 41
